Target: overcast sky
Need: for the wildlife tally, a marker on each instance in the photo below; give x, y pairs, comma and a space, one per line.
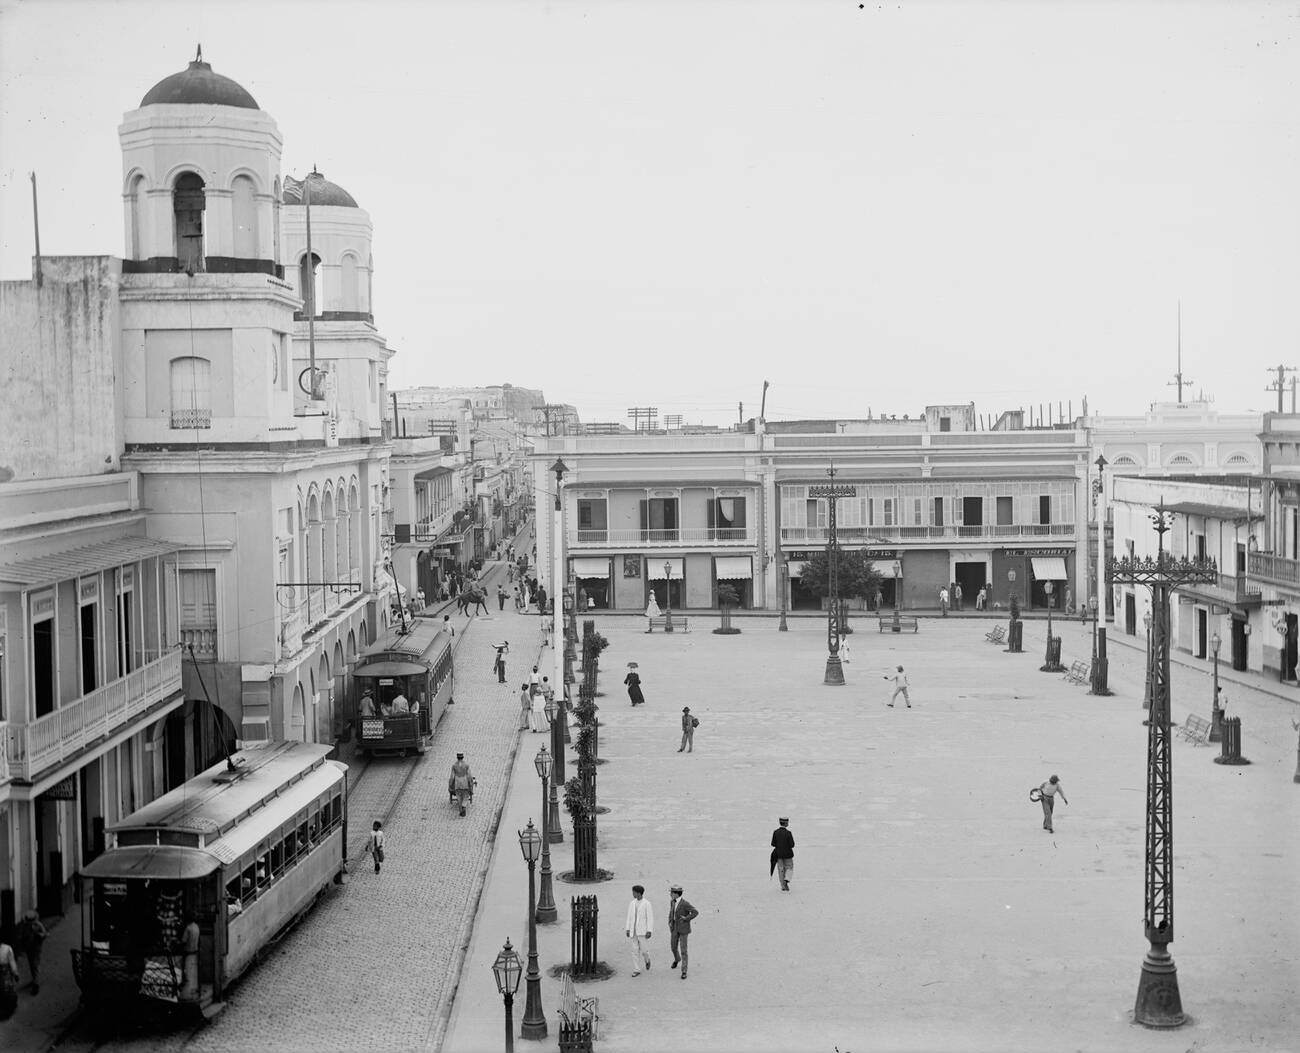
632, 203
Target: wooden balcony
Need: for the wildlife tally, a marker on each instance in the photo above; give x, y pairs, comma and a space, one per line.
681, 537
35, 747
1006, 533
1274, 570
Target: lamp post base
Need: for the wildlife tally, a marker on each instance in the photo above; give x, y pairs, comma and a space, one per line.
1158, 1001
1216, 725
834, 671
783, 628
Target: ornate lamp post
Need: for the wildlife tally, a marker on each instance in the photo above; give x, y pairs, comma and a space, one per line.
668, 596
554, 833
1146, 693
1158, 1001
1100, 664
1216, 713
834, 630
783, 582
546, 901
534, 1026
559, 608
1052, 659
507, 969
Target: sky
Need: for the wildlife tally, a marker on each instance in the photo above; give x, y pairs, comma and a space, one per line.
874, 207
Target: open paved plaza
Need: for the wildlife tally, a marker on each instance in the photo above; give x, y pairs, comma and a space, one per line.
929, 909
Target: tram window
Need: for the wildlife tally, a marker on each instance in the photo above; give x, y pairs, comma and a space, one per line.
263, 869
336, 810
248, 883
277, 857
302, 836
289, 849
313, 823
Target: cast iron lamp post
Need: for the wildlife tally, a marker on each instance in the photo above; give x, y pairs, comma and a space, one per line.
560, 600
534, 1026
546, 901
783, 582
834, 626
1216, 713
1158, 1002
1052, 659
668, 596
554, 834
507, 969
1100, 663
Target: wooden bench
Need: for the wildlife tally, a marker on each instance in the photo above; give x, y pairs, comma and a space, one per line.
1195, 730
579, 1018
1079, 672
997, 635
679, 623
898, 624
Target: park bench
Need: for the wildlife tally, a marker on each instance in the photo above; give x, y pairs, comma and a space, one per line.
679, 623
997, 635
579, 1018
897, 624
1079, 672
1195, 730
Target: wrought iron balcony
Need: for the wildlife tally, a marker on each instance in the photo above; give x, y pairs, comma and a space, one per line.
1005, 532
631, 538
33, 748
191, 418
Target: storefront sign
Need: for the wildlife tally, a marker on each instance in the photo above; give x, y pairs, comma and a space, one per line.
871, 553
63, 790
1038, 551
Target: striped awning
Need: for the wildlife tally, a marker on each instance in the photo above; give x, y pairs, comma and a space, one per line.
655, 567
74, 562
1049, 568
591, 567
732, 568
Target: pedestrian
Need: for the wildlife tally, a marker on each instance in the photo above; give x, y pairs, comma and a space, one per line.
1069, 600
446, 624
419, 599
680, 916
8, 981
31, 937
375, 843
1049, 790
548, 690
652, 611
548, 627
501, 597
534, 682
499, 666
880, 598
367, 703
525, 706
190, 959
538, 709
453, 586
689, 724
900, 686
460, 784
640, 926
943, 600
633, 681
782, 859
981, 599
541, 599
956, 594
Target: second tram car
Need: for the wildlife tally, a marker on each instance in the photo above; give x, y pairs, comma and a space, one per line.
408, 678
196, 884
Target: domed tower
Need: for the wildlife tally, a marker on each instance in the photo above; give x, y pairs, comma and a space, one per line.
201, 168
335, 286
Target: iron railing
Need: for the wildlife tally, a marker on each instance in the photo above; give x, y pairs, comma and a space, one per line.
191, 418
659, 538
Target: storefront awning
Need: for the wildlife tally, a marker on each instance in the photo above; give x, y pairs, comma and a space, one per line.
795, 569
1049, 568
732, 568
885, 567
591, 567
655, 568
63, 566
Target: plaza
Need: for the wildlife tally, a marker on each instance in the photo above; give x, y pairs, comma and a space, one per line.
929, 909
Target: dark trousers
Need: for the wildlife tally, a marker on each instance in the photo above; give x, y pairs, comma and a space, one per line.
501, 603
1048, 802
678, 945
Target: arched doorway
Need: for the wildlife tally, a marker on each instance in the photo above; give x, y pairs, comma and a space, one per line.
296, 731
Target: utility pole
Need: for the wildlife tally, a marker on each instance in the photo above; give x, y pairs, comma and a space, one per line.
1279, 385
1179, 380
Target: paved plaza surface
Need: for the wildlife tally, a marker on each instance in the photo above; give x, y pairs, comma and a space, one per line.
929, 909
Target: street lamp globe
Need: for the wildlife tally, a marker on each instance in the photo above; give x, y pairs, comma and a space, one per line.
530, 843
542, 762
551, 709
1215, 644
507, 969
668, 568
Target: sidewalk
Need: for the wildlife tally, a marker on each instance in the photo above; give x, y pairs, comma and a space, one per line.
929, 910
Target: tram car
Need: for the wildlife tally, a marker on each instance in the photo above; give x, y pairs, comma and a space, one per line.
198, 883
407, 680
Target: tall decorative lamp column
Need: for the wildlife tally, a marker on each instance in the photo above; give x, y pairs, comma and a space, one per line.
534, 1025
834, 667
1159, 1003
557, 607
507, 969
1216, 712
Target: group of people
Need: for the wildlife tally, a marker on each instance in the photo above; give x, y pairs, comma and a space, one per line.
397, 706
641, 923
30, 939
533, 699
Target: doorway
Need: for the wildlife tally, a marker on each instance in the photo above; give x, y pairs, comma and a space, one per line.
1290, 649
1239, 639
803, 598
672, 594
1202, 625
1130, 614
971, 577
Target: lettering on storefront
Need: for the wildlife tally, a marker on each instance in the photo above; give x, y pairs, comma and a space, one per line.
871, 553
1038, 551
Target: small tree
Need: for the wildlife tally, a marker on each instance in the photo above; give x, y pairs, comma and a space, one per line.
857, 577
727, 599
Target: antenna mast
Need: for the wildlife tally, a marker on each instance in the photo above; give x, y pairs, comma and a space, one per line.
1179, 380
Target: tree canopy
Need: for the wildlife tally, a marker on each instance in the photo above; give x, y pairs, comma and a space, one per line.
857, 577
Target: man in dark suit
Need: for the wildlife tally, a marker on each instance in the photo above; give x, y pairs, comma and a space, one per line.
680, 916
783, 853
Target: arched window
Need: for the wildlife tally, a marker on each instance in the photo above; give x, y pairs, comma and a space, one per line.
243, 211
1180, 460
191, 384
351, 292
135, 207
1238, 460
309, 285
188, 202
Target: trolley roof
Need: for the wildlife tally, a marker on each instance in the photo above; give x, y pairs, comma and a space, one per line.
173, 862
212, 803
419, 641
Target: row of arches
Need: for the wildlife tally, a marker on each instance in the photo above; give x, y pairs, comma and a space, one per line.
1236, 462
327, 686
343, 293
190, 233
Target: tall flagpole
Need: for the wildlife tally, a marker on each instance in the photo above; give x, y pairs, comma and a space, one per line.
310, 288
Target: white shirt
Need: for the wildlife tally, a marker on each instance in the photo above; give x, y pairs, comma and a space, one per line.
900, 680
640, 917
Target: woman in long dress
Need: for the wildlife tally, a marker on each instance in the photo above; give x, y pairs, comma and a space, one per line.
652, 608
633, 681
538, 714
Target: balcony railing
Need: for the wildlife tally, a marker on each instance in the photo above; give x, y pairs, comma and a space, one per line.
1265, 566
191, 418
1012, 532
660, 538
293, 626
202, 639
32, 748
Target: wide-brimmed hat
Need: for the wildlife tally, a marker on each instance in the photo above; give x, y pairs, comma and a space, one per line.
633, 665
